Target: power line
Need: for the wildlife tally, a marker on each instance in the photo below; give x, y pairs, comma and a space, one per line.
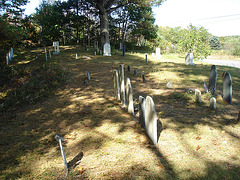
218, 17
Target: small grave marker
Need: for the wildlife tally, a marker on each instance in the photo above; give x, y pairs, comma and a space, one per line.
198, 96
128, 68
88, 75
189, 59
45, 53
143, 77
146, 58
135, 72
56, 47
213, 103
158, 53
227, 88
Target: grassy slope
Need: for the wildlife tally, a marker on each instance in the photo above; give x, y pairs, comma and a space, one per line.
196, 142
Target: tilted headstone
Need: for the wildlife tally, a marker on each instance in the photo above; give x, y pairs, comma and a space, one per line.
88, 75
158, 53
151, 120
106, 49
129, 97
227, 88
146, 58
213, 79
213, 103
121, 84
189, 59
135, 72
142, 102
116, 85
198, 96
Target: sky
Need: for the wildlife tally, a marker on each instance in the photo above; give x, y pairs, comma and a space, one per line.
219, 17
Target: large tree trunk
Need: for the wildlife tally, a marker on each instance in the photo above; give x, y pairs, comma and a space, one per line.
104, 28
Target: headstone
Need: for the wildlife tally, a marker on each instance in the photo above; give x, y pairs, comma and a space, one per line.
56, 47
120, 46
189, 59
11, 54
227, 88
169, 84
50, 56
76, 56
146, 58
116, 85
143, 77
142, 111
151, 120
198, 96
107, 50
213, 103
128, 68
129, 97
212, 79
88, 75
7, 58
153, 54
158, 53
121, 84
45, 53
135, 72
95, 53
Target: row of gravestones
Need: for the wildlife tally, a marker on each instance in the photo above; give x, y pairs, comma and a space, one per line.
56, 50
227, 84
147, 114
9, 56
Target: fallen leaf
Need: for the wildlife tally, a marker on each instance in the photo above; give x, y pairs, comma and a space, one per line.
198, 138
159, 165
80, 170
198, 147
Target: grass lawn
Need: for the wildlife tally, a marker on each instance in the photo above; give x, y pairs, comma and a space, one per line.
195, 143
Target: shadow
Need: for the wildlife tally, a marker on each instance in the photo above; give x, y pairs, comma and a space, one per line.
75, 161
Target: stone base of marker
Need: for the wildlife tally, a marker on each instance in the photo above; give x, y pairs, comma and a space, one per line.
198, 96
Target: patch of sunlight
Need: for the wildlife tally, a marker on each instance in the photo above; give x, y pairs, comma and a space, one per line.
24, 62
31, 112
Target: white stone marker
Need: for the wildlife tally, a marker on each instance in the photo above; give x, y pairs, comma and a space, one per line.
189, 59
107, 50
88, 75
213, 103
129, 97
158, 53
116, 85
56, 47
151, 119
76, 56
198, 96
7, 58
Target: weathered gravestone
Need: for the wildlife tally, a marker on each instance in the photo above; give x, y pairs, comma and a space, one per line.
151, 120
227, 87
116, 85
135, 72
143, 77
212, 79
213, 103
121, 84
198, 96
88, 75
56, 47
123, 50
189, 59
128, 68
146, 58
129, 97
106, 49
7, 58
158, 53
142, 102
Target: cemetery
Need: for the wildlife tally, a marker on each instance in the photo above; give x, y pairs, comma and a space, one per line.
106, 121
97, 90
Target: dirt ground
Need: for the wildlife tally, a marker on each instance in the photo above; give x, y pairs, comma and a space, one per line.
195, 143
